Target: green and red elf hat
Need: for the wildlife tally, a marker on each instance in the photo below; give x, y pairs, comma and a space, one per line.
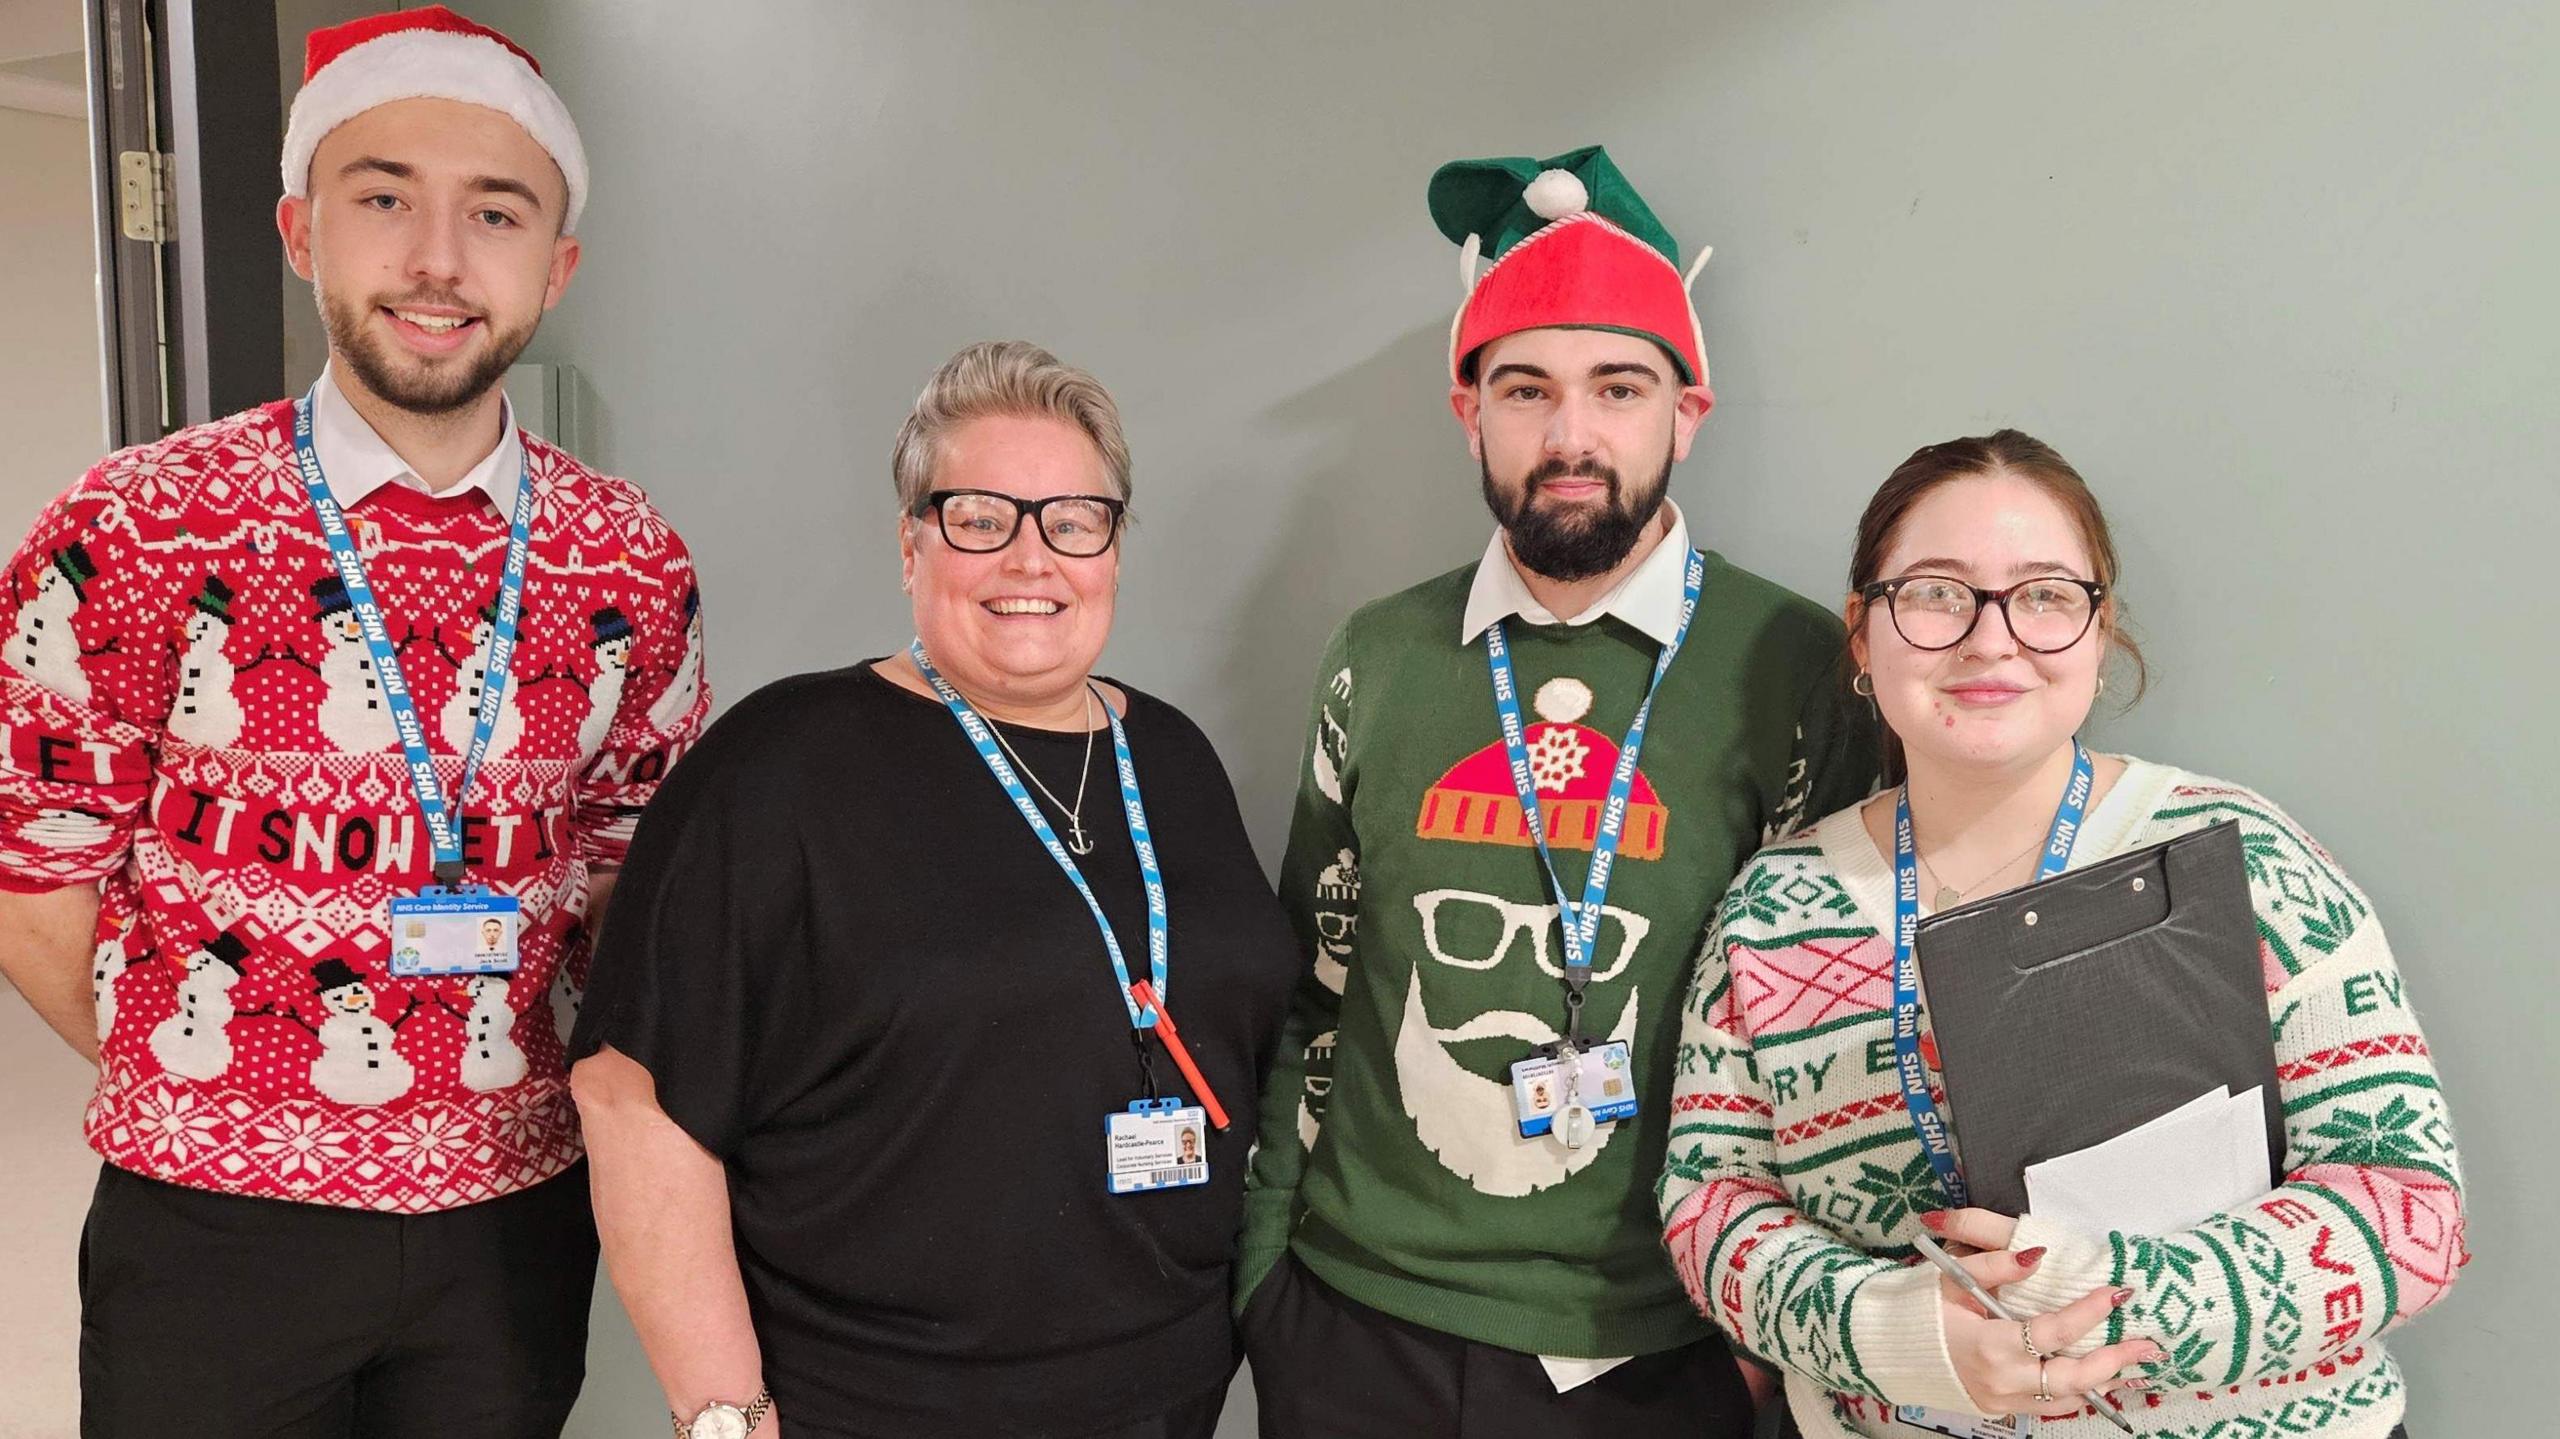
1572, 245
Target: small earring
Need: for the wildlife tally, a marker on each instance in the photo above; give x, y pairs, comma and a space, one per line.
2102, 684
1864, 686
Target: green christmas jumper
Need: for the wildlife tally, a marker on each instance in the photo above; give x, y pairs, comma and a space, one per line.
1389, 1161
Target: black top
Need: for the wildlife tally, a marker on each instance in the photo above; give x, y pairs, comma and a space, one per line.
858, 979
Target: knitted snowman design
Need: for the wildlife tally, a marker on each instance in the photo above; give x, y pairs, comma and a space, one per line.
463, 710
490, 1057
194, 1043
358, 1062
107, 965
206, 712
43, 647
353, 716
613, 666
677, 701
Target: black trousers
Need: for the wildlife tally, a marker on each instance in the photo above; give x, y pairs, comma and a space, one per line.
1328, 1367
220, 1317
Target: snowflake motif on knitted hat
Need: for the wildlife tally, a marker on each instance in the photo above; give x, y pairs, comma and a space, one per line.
1556, 757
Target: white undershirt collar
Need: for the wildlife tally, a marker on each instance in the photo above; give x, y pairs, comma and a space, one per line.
1648, 598
357, 461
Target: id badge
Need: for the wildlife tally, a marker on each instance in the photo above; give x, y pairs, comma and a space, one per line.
1604, 1084
1156, 1144
463, 930
1964, 1426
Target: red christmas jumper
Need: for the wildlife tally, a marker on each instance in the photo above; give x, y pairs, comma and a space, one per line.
192, 718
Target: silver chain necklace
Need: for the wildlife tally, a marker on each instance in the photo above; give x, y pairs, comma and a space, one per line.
1948, 896
1077, 842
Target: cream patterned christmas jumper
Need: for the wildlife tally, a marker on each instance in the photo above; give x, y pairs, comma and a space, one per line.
1794, 1181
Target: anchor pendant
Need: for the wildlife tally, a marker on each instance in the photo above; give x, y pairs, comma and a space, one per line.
1076, 841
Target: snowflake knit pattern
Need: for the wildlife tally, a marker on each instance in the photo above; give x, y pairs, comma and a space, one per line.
1794, 1181
189, 715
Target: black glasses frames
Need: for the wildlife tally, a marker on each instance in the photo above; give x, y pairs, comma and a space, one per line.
1928, 604
1077, 526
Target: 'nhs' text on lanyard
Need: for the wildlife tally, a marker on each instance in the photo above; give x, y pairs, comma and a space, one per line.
1909, 1064
442, 813
1580, 923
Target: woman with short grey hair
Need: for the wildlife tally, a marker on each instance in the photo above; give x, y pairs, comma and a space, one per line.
893, 1127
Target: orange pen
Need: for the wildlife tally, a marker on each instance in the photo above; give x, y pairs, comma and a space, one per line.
1145, 994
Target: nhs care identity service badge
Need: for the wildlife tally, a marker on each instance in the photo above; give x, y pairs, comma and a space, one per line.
1601, 1082
464, 930
1156, 1144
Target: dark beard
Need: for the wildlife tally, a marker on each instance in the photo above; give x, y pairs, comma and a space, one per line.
438, 391
1568, 545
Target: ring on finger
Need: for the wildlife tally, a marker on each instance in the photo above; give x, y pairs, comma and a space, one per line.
2044, 1390
2027, 1336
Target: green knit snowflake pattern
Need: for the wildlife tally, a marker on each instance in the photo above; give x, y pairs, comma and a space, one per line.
2392, 1136
1779, 893
2306, 908
1893, 1196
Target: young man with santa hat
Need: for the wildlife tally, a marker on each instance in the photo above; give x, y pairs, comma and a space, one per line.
1527, 785
315, 1226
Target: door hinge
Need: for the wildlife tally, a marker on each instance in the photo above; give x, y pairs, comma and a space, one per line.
143, 194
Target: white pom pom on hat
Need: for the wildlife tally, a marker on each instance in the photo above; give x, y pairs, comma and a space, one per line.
1556, 194
1564, 699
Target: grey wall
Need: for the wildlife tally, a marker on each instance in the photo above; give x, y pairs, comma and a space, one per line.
2276, 276
55, 421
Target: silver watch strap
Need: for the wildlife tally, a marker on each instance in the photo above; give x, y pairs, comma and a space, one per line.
753, 1412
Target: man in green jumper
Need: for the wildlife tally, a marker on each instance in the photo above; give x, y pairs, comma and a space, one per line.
1449, 1228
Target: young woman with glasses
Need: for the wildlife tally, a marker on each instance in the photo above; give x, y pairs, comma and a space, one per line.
1983, 620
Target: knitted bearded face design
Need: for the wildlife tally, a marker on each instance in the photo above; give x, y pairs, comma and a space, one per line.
432, 239
1576, 431
1989, 702
1491, 988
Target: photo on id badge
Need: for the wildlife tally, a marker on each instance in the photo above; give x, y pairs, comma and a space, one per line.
1156, 1144
1601, 1084
454, 934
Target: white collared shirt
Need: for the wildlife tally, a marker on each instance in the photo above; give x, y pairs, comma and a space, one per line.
356, 461
1648, 598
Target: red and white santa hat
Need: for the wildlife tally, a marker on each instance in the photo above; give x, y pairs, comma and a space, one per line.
427, 53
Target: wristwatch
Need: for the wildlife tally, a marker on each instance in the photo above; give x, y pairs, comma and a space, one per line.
724, 1421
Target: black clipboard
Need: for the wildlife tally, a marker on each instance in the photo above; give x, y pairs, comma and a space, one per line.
2073, 1009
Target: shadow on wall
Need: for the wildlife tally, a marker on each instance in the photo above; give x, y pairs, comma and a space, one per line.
1392, 501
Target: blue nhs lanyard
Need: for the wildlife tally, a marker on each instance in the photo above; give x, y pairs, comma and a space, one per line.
1926, 1121
442, 813
1580, 923
1158, 945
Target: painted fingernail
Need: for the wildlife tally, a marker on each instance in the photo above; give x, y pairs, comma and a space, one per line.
2028, 1257
2122, 1297
1933, 1220
2137, 1383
